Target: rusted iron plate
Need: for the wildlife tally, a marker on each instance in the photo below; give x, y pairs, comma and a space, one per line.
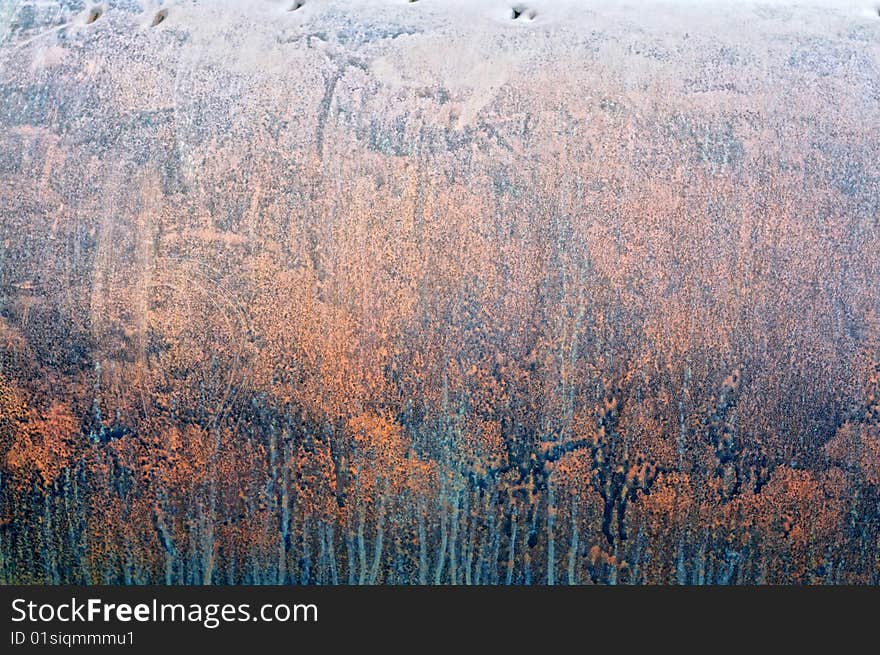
393, 291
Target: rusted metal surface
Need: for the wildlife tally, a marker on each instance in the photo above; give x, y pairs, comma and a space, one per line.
447, 215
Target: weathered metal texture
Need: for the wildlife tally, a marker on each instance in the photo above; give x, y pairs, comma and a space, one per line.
446, 213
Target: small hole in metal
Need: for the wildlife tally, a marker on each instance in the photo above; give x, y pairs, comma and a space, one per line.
93, 15
518, 11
